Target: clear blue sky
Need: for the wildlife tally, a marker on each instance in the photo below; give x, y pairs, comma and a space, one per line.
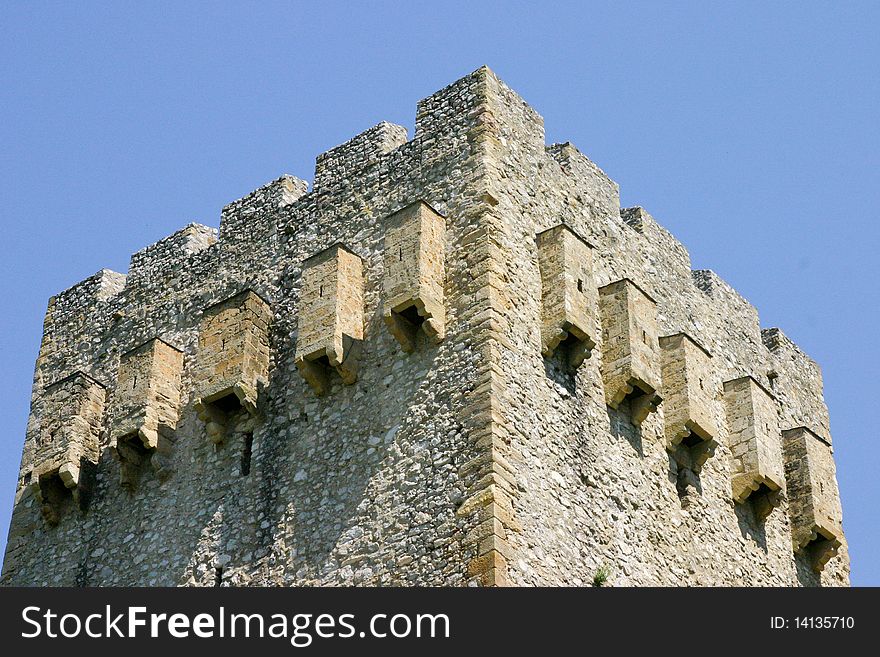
749, 130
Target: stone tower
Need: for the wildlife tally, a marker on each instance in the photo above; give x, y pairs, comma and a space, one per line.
456, 360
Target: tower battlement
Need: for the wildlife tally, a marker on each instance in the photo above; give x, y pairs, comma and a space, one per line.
456, 360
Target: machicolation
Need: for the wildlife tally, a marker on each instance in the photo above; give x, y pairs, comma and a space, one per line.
456, 360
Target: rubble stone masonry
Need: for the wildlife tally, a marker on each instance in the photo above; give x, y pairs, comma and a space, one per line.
455, 361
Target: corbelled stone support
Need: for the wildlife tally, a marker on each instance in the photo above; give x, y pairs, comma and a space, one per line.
414, 275
755, 444
67, 442
331, 317
813, 498
472, 461
233, 360
569, 298
630, 348
688, 400
145, 404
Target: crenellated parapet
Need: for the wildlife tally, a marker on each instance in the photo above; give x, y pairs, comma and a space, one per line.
455, 360
796, 380
354, 157
603, 194
76, 323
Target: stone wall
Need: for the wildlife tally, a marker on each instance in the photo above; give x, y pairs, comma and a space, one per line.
425, 421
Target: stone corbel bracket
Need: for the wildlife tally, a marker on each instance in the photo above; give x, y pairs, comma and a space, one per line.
755, 444
414, 277
67, 443
689, 400
145, 404
569, 298
233, 361
814, 501
331, 318
630, 348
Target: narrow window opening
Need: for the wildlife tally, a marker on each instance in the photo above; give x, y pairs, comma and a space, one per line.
218, 576
400, 254
645, 337
27, 478
321, 291
580, 285
771, 379
246, 451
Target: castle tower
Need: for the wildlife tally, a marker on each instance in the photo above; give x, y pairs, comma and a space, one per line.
455, 360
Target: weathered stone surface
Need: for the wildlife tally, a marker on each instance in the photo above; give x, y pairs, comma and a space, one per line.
569, 297
331, 317
813, 500
755, 441
145, 404
689, 391
233, 360
415, 274
475, 460
67, 441
631, 360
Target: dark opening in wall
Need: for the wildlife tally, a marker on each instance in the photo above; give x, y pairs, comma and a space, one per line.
56, 498
132, 457
228, 404
246, 451
219, 415
406, 325
687, 485
573, 351
218, 576
569, 354
762, 501
411, 315
820, 550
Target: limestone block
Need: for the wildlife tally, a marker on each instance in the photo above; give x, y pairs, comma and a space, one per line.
688, 400
68, 438
415, 275
146, 401
755, 443
631, 368
331, 317
569, 298
813, 497
233, 360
